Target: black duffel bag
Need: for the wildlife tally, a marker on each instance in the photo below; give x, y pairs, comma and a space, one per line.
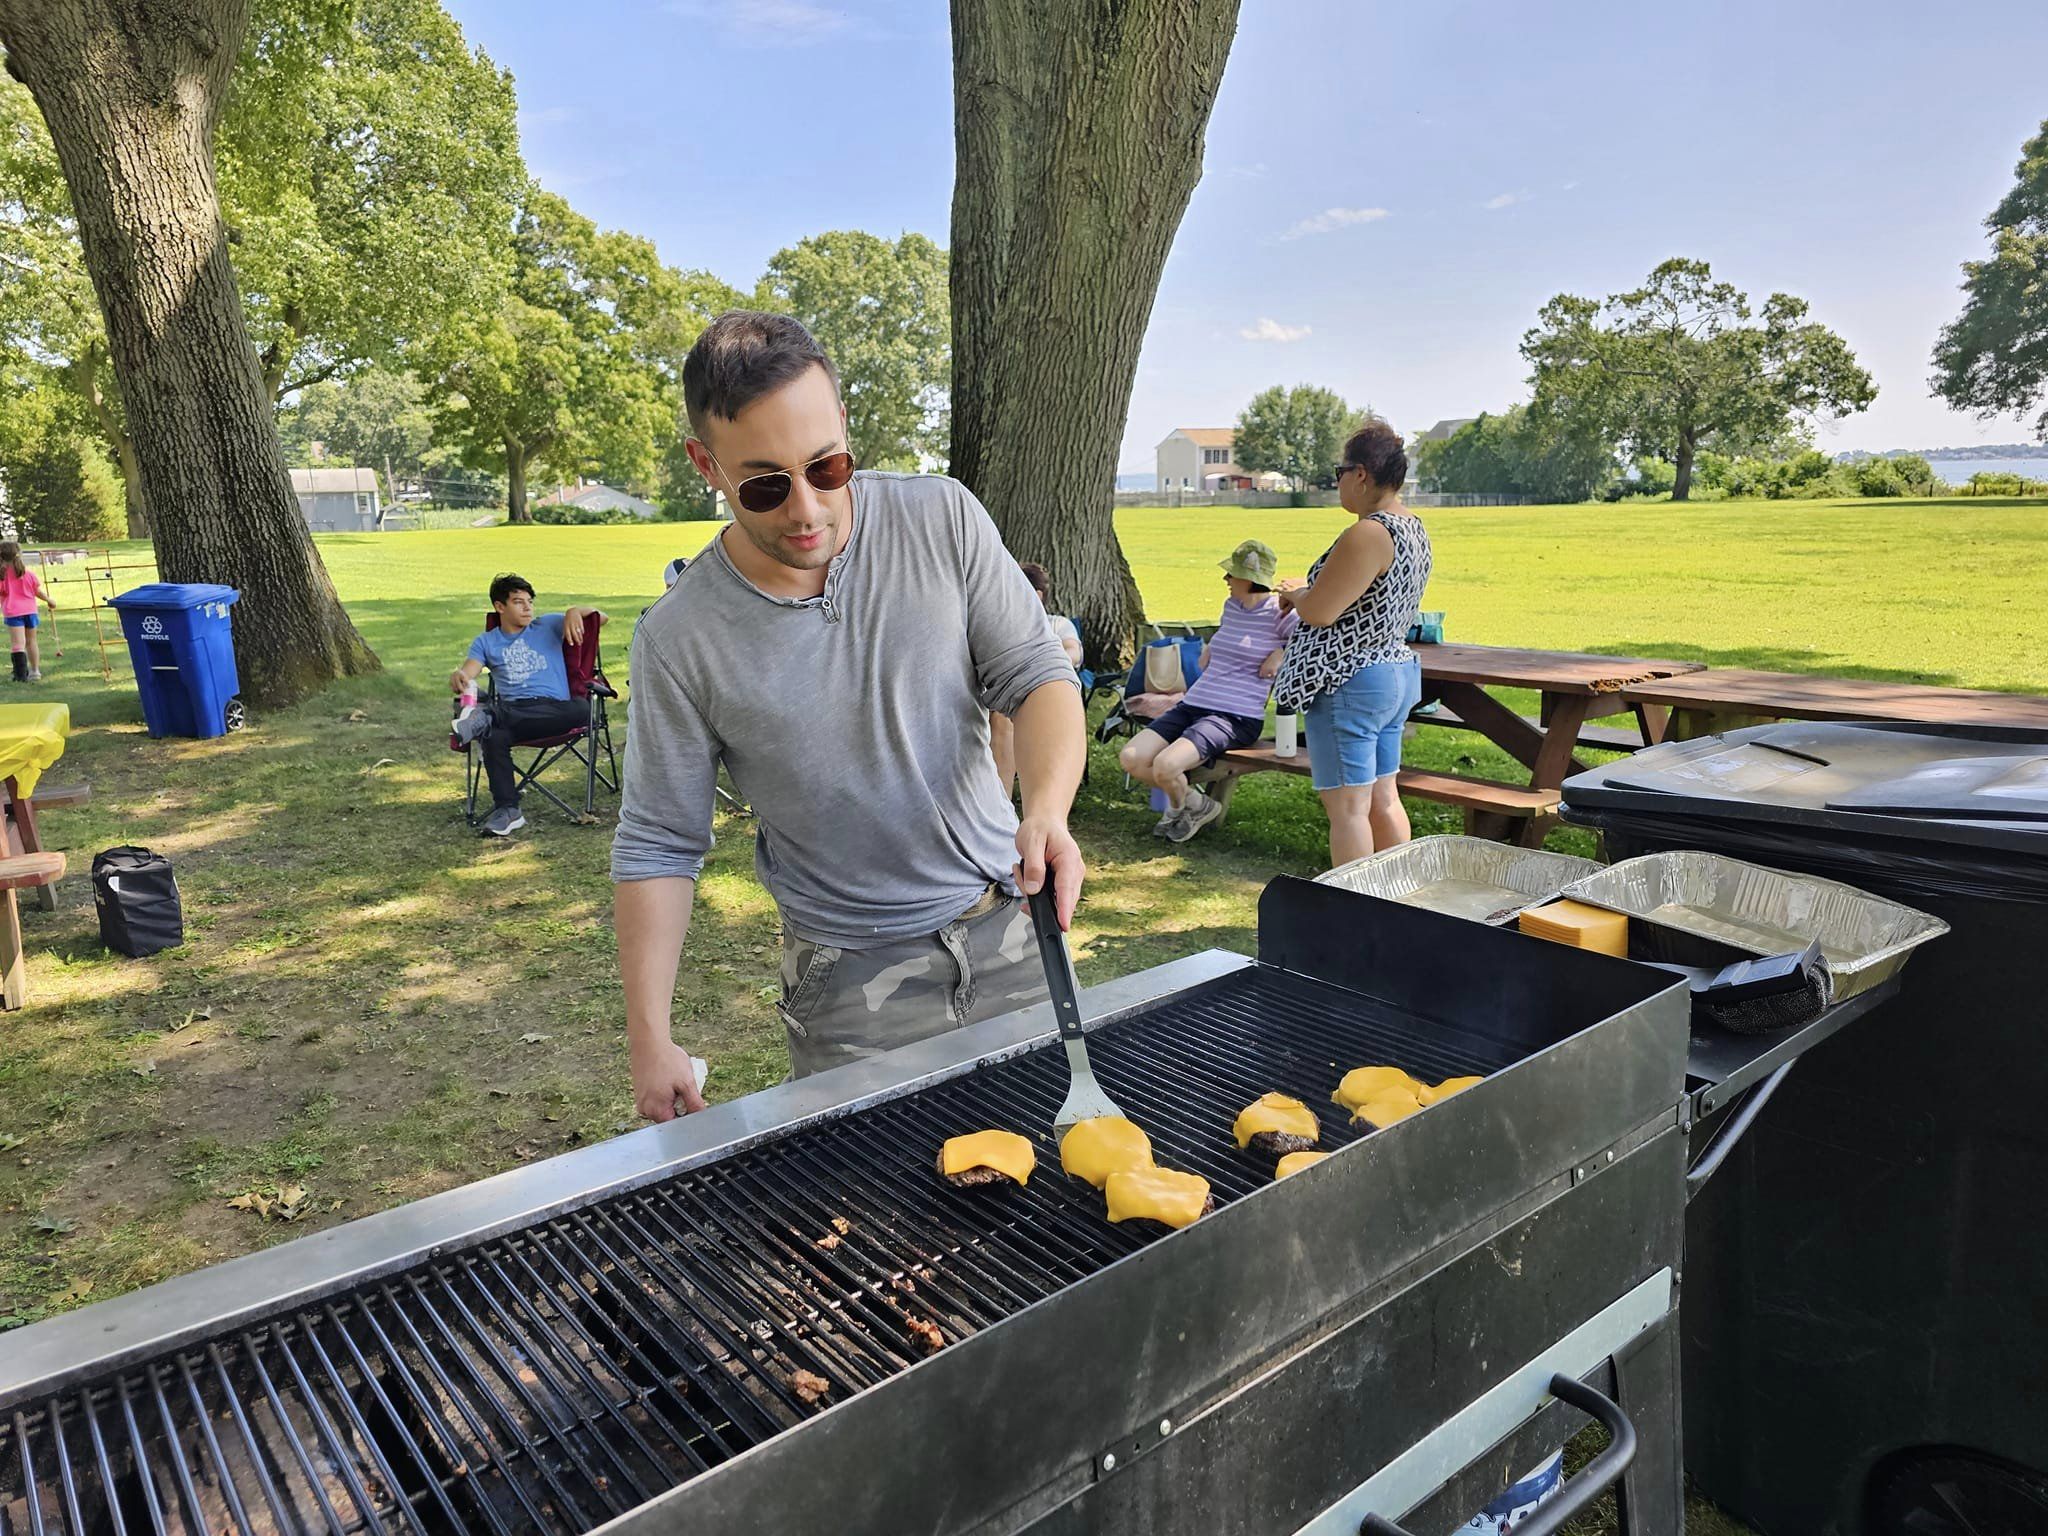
138, 900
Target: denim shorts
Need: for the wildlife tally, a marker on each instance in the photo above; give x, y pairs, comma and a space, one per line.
1354, 730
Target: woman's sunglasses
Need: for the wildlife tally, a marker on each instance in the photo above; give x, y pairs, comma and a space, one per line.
764, 493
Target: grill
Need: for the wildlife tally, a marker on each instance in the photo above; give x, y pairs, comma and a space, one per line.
678, 1332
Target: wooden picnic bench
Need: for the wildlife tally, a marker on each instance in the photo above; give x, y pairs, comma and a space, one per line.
21, 871
1716, 699
24, 832
1477, 798
1574, 687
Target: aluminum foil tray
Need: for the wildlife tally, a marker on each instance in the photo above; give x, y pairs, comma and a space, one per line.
1865, 939
1469, 877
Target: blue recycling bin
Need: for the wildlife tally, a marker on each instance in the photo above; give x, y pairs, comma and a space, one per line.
181, 641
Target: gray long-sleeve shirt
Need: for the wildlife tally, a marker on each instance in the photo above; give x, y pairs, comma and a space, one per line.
854, 723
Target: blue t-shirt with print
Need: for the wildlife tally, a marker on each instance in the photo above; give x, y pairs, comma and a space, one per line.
527, 665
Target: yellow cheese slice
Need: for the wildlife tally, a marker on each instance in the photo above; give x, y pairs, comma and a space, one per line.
1156, 1194
1385, 1109
1294, 1162
1276, 1112
1094, 1149
1004, 1151
1427, 1095
1363, 1083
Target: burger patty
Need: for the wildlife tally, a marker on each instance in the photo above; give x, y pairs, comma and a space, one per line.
1280, 1143
970, 1178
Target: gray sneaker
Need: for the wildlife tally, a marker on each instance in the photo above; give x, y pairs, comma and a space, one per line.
504, 820
471, 723
1200, 810
1164, 826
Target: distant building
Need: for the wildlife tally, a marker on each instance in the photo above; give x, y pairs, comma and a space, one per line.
1199, 459
339, 500
1448, 427
599, 498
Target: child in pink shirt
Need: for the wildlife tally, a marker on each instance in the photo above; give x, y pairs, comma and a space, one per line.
20, 590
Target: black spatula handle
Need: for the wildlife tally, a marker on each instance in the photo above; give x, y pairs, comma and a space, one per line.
1059, 965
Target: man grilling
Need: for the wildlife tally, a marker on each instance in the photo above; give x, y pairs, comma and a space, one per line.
837, 648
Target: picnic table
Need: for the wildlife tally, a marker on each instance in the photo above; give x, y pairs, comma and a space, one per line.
32, 737
1574, 687
1712, 700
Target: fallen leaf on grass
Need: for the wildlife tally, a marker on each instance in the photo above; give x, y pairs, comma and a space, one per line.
532, 1038
53, 1224
9, 1142
77, 1290
356, 715
285, 1204
810, 1386
501, 1093
144, 1069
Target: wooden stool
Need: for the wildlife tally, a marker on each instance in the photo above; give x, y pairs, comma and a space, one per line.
19, 872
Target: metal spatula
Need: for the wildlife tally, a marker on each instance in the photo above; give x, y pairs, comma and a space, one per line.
1085, 1098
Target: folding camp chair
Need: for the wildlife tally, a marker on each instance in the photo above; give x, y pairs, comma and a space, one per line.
589, 745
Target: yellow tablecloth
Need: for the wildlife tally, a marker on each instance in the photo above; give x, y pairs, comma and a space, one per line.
32, 737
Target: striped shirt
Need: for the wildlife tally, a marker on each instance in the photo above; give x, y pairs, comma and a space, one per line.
1230, 684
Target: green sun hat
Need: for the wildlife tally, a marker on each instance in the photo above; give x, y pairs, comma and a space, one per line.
1254, 562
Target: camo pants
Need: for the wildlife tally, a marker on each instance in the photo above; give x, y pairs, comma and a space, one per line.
839, 1005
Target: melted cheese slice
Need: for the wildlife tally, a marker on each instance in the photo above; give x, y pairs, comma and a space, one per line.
1369, 1082
1427, 1095
1095, 1149
1004, 1151
1276, 1112
1294, 1162
1156, 1194
1385, 1109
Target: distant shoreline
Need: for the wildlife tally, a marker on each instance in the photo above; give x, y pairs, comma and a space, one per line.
1939, 455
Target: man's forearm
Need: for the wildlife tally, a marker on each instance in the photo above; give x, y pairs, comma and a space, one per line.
651, 918
1052, 748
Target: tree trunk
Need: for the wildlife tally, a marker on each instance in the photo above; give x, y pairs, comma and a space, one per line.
85, 381
1078, 131
516, 508
131, 485
131, 91
1681, 488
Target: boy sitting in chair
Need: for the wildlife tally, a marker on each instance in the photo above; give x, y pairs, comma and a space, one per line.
529, 696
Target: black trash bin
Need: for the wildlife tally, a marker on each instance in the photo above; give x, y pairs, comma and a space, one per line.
1866, 1308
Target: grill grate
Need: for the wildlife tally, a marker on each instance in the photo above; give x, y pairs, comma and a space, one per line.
551, 1379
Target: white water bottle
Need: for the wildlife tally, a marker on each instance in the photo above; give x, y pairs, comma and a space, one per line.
1285, 731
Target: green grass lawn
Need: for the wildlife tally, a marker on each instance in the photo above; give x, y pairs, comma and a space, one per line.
372, 1004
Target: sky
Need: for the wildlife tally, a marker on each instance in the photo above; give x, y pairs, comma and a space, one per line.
1389, 192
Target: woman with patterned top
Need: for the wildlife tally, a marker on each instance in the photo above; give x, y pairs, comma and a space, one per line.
1226, 706
1350, 667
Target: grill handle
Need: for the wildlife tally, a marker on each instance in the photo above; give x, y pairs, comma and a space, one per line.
1577, 1494
1060, 979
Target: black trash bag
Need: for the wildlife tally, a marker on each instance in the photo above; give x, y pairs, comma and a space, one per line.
137, 897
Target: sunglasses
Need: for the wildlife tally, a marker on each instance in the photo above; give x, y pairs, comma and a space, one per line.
1344, 469
764, 493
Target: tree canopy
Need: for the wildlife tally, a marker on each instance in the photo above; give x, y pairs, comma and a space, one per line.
1295, 432
1663, 367
1527, 454
578, 370
880, 310
1993, 357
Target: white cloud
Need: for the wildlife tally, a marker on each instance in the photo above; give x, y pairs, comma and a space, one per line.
1508, 199
765, 23
1269, 329
1334, 218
